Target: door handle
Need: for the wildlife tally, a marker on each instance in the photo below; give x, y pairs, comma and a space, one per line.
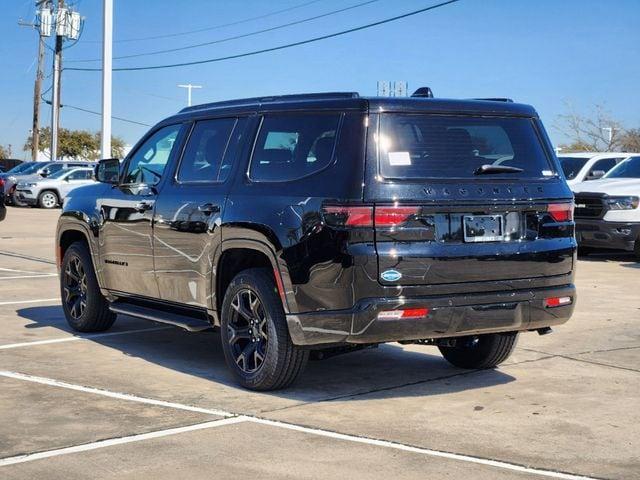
209, 208
143, 206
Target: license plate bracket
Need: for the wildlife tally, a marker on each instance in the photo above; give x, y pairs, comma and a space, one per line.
483, 228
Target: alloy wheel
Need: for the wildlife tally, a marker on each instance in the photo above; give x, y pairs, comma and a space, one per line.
49, 200
247, 331
75, 287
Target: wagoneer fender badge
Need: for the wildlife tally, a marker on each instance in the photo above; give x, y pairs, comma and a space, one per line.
391, 275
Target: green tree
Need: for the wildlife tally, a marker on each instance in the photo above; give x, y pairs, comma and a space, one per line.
76, 144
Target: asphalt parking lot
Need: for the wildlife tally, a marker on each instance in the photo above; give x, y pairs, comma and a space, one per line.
151, 401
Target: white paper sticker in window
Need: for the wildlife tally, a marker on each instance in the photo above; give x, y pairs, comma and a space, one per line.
399, 158
547, 173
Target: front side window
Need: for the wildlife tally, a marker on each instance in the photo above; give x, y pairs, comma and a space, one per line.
289, 147
630, 168
80, 175
53, 168
205, 150
603, 165
147, 164
442, 146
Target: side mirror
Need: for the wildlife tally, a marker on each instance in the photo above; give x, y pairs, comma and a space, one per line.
596, 174
44, 173
108, 171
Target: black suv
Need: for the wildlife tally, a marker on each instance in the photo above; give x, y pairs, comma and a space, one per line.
323, 223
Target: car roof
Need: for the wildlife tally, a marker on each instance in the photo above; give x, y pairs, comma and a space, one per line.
353, 101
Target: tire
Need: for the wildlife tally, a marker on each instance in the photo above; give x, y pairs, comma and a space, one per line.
85, 308
253, 292
48, 199
482, 351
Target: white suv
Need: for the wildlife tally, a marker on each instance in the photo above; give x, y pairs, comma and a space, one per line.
584, 166
607, 210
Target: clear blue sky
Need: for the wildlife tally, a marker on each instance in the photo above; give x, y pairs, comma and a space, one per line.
542, 52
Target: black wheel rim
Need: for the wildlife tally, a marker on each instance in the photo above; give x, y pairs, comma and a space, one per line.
247, 331
75, 287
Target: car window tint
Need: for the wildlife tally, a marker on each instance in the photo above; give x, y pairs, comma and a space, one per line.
604, 165
293, 146
205, 150
80, 175
148, 162
54, 167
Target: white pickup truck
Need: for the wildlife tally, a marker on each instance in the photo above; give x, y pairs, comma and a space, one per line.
607, 211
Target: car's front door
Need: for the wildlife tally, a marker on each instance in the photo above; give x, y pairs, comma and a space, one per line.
126, 237
189, 212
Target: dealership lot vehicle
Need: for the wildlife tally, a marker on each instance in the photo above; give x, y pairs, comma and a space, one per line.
314, 222
607, 210
35, 171
586, 166
139, 400
51, 191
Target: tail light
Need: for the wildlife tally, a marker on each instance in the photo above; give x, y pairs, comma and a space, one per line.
393, 216
561, 212
552, 302
367, 215
407, 313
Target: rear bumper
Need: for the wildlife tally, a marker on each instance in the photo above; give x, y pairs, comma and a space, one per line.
449, 316
602, 234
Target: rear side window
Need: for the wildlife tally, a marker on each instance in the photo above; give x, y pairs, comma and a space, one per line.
571, 166
205, 150
289, 147
439, 146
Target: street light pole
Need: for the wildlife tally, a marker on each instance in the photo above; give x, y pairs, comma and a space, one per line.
107, 44
55, 91
189, 87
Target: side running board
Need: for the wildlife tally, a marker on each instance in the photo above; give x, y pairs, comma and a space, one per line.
189, 323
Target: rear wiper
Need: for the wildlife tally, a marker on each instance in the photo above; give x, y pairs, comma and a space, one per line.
489, 169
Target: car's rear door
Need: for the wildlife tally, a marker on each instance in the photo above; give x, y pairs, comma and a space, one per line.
189, 210
466, 199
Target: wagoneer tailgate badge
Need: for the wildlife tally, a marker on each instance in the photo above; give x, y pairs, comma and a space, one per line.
391, 275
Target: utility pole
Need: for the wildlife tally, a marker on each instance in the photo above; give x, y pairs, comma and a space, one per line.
189, 87
107, 44
43, 27
55, 91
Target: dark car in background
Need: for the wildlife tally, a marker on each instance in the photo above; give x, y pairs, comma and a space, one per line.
327, 223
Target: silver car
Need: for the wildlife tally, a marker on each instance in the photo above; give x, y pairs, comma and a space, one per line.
50, 192
36, 171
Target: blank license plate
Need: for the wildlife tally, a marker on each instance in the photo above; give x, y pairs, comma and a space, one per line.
483, 228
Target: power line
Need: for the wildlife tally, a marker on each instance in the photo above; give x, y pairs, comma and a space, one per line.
272, 49
234, 37
48, 102
213, 27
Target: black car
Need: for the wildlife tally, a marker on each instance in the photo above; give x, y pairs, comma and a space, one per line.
323, 223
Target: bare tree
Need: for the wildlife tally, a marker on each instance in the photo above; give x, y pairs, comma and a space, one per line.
597, 132
5, 152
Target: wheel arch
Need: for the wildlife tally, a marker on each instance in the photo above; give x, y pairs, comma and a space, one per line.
239, 254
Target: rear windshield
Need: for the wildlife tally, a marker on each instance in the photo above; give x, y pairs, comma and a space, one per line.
439, 146
571, 166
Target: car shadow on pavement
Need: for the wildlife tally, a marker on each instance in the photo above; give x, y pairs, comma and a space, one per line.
625, 259
344, 377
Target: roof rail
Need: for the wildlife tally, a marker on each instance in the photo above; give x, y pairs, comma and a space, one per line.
272, 99
495, 99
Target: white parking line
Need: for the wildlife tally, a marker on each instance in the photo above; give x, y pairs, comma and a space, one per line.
118, 441
25, 271
236, 418
44, 275
39, 300
106, 393
79, 337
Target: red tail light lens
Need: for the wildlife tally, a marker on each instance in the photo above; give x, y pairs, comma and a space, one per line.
561, 212
557, 301
393, 216
348, 216
1, 182
406, 313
